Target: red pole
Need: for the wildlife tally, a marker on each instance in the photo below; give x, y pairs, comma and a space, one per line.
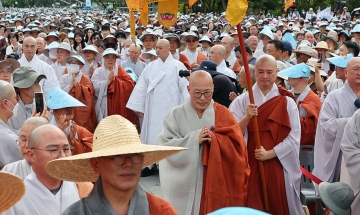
255, 122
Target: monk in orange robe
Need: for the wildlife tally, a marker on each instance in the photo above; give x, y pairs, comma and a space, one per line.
220, 179
113, 87
279, 132
80, 87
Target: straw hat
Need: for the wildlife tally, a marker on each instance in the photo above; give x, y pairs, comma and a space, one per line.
304, 49
114, 135
12, 189
322, 45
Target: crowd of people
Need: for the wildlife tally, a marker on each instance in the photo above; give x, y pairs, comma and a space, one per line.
86, 110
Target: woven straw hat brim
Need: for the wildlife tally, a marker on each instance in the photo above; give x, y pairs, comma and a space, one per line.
77, 168
12, 189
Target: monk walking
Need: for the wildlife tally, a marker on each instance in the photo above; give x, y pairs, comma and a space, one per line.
214, 172
280, 131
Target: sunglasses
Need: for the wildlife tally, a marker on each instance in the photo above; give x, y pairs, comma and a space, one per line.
96, 38
191, 41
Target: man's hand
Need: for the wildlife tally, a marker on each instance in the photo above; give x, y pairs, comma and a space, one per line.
251, 110
72, 134
318, 67
194, 65
140, 115
204, 135
65, 71
233, 95
111, 77
263, 155
62, 123
91, 71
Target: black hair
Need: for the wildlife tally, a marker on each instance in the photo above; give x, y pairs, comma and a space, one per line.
105, 28
82, 40
86, 38
96, 33
247, 48
352, 47
15, 34
279, 45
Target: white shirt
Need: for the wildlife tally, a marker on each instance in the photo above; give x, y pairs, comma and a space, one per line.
223, 69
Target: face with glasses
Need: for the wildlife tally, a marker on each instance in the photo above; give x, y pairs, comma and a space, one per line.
201, 89
52, 145
120, 172
23, 139
5, 74
353, 72
192, 42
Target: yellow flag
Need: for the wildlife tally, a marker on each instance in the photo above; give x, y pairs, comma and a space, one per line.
288, 3
144, 12
236, 11
167, 12
132, 25
133, 5
191, 2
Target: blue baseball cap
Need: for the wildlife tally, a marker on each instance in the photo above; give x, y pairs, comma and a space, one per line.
208, 66
58, 99
356, 28
237, 211
297, 71
340, 61
287, 46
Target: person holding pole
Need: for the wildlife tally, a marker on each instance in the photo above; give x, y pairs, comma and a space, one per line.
280, 139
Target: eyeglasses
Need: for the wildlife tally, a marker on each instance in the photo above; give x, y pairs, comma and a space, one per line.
96, 38
20, 34
199, 94
191, 41
13, 36
56, 153
120, 159
134, 53
8, 72
21, 142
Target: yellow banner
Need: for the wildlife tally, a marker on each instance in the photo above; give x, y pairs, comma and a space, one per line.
191, 2
144, 12
288, 3
133, 5
167, 12
132, 25
236, 11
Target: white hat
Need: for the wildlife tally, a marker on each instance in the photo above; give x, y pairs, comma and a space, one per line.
77, 57
304, 49
109, 51
205, 38
147, 55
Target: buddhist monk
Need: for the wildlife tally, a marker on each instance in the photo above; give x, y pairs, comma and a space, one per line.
113, 87
214, 171
280, 131
77, 84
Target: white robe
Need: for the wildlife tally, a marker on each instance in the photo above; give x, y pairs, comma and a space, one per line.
45, 59
138, 67
59, 70
9, 149
334, 85
232, 60
23, 113
191, 56
181, 175
43, 68
223, 69
66, 79
21, 168
350, 147
287, 151
158, 90
335, 112
38, 200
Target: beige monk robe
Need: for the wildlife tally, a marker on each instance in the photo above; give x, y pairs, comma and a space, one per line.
178, 185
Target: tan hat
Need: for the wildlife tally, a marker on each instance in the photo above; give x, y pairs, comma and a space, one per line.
12, 189
114, 135
304, 49
311, 63
322, 45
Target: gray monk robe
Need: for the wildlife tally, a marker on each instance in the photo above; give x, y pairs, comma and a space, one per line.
350, 147
141, 203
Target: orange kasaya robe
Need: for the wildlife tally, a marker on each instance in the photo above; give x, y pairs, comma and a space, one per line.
85, 93
84, 141
312, 105
236, 67
183, 59
84, 188
201, 57
274, 127
225, 160
119, 92
159, 206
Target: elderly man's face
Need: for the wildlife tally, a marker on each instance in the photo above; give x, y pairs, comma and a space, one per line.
5, 74
120, 172
353, 73
23, 139
134, 53
201, 91
29, 48
192, 42
226, 43
242, 79
265, 74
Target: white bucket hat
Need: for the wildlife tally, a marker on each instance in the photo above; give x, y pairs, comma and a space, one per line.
98, 56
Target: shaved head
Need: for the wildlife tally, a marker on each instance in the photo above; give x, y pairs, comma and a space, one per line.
35, 121
6, 90
29, 40
164, 42
219, 49
163, 49
135, 47
40, 132
201, 89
